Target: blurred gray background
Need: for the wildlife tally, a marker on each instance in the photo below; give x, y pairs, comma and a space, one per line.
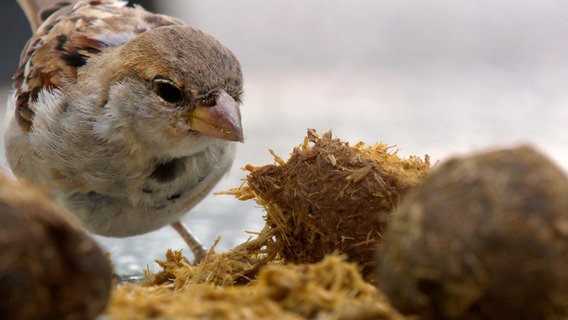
433, 77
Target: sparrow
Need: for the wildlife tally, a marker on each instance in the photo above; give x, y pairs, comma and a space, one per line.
127, 118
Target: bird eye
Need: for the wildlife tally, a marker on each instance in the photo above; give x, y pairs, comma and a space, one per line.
166, 90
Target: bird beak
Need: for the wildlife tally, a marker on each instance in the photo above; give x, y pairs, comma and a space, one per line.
222, 120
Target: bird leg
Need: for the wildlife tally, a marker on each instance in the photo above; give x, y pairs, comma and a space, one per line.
195, 246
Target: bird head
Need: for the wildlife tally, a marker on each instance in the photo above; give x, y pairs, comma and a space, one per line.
191, 77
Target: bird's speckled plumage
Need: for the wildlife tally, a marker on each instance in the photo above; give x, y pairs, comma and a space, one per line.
68, 39
125, 116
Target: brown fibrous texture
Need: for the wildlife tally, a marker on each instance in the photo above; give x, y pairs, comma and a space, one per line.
332, 197
330, 289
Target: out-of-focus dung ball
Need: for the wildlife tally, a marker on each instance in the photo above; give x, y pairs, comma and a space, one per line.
483, 237
333, 197
49, 267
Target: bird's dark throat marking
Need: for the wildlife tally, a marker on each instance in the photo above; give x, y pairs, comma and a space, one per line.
167, 171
